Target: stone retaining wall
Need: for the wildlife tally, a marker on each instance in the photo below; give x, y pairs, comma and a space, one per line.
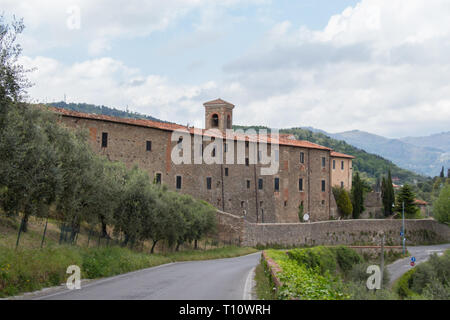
346, 232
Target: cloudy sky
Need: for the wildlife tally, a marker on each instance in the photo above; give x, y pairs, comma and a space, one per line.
381, 66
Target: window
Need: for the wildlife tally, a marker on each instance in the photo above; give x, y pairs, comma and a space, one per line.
323, 185
247, 162
104, 139
334, 164
260, 184
259, 156
285, 203
215, 120
178, 182
149, 146
300, 184
342, 165
225, 147
226, 172
323, 162
242, 204
214, 152
248, 184
208, 183
158, 178
302, 157
228, 122
180, 143
323, 202
342, 184
277, 184
246, 144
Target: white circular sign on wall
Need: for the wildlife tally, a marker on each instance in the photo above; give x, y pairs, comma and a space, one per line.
306, 217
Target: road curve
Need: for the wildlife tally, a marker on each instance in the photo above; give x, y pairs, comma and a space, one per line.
221, 279
421, 253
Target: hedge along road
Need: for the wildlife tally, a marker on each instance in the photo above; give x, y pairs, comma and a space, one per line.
221, 279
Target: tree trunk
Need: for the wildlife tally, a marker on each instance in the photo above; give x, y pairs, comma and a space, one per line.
196, 244
104, 232
153, 246
24, 224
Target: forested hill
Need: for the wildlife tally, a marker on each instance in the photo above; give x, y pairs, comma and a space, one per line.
370, 165
107, 111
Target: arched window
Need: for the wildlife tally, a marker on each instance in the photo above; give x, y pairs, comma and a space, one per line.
214, 120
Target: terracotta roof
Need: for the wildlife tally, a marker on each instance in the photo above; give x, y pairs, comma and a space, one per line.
283, 139
136, 122
420, 202
218, 102
341, 155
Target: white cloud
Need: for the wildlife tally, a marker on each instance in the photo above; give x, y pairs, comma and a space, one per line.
381, 66
103, 20
106, 81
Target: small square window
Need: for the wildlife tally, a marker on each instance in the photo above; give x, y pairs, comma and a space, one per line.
149, 146
248, 184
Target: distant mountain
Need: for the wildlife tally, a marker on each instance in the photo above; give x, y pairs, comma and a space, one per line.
107, 111
420, 154
439, 141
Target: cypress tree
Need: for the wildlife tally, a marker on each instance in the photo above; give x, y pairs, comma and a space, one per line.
390, 195
442, 172
357, 196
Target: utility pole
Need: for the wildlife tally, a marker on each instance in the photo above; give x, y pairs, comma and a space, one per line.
382, 260
403, 226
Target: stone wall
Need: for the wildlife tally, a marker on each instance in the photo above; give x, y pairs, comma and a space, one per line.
346, 232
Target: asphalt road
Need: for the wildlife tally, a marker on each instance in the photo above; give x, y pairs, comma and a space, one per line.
421, 253
227, 279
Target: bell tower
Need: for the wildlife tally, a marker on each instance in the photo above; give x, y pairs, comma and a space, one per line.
218, 114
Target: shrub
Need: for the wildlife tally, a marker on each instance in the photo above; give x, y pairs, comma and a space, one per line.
322, 258
347, 258
402, 287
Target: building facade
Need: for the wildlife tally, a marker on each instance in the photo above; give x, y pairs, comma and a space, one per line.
304, 176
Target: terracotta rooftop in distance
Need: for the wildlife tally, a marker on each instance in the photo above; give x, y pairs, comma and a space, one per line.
341, 155
283, 138
420, 202
218, 102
